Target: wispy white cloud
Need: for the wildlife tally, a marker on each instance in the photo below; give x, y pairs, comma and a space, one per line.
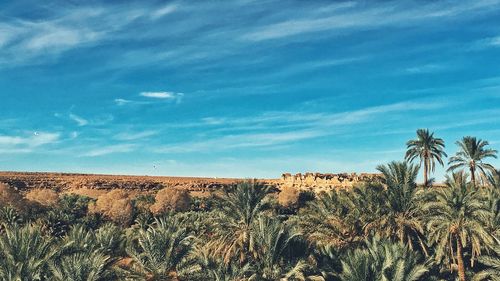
135, 135
121, 101
238, 141
426, 68
27, 142
165, 10
110, 149
80, 121
159, 95
381, 14
287, 127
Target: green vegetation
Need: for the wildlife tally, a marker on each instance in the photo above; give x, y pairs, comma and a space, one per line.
393, 230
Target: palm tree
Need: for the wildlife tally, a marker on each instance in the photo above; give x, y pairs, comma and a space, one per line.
457, 218
336, 217
25, 253
382, 260
209, 265
401, 217
399, 174
273, 240
157, 251
239, 209
470, 156
83, 266
428, 149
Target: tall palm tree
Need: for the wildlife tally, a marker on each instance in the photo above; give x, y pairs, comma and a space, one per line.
470, 156
239, 209
428, 149
157, 251
25, 253
382, 260
457, 218
401, 218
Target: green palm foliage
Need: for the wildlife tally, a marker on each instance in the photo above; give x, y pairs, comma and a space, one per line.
399, 174
209, 265
8, 217
382, 260
157, 251
494, 179
84, 266
428, 149
110, 240
491, 263
457, 219
492, 203
334, 218
239, 209
470, 157
401, 217
274, 243
24, 253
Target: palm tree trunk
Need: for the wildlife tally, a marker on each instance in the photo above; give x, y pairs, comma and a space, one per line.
473, 176
425, 173
460, 260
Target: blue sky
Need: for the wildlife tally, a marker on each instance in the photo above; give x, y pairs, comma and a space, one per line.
241, 88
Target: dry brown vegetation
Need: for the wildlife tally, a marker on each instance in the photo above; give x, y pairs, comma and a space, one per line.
11, 197
171, 199
116, 205
288, 197
44, 197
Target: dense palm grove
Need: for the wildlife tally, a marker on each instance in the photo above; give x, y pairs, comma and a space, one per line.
395, 230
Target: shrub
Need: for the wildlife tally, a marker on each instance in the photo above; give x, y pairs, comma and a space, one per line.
115, 205
171, 199
289, 197
44, 197
12, 198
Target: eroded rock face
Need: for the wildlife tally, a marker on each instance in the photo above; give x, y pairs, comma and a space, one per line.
62, 181
320, 182
24, 181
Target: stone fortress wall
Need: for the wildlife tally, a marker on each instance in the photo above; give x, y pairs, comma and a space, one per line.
321, 182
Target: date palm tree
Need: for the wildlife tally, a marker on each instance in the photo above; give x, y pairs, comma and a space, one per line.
25, 253
83, 266
382, 260
401, 218
273, 240
239, 210
457, 218
157, 251
208, 264
337, 217
428, 149
470, 156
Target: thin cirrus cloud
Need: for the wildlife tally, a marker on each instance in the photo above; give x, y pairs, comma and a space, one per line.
161, 95
28, 142
150, 98
390, 13
80, 121
110, 149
